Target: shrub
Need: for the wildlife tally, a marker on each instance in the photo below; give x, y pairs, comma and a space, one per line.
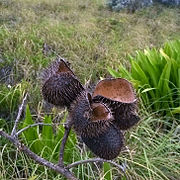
156, 75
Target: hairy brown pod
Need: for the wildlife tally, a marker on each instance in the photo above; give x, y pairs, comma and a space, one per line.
59, 84
119, 96
106, 145
89, 119
93, 122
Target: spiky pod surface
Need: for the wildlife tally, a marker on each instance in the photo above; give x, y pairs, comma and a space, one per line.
57, 66
119, 96
80, 112
106, 145
85, 118
60, 86
124, 114
126, 121
61, 89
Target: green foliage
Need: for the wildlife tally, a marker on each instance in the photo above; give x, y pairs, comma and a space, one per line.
153, 154
156, 75
10, 98
107, 171
46, 141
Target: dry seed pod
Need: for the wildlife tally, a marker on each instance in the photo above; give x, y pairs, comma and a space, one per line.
126, 119
106, 145
59, 84
119, 96
114, 92
89, 119
93, 122
80, 112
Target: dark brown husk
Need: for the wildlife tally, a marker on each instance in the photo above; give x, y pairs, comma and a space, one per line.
124, 114
56, 67
60, 87
106, 145
81, 112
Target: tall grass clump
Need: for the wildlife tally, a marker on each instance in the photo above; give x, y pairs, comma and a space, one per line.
153, 153
156, 75
46, 139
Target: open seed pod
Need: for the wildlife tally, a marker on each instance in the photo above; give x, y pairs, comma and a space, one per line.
60, 86
119, 96
89, 119
106, 145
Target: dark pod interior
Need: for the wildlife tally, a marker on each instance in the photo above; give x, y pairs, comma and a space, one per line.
106, 145
59, 84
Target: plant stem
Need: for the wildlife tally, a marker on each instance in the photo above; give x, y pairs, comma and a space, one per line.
63, 143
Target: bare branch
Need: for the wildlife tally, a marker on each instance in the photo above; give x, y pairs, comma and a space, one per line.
63, 143
32, 125
94, 160
37, 158
13, 133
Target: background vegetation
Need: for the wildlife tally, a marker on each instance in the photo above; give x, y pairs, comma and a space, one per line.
92, 38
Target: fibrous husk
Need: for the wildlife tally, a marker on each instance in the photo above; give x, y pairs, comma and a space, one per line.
89, 119
118, 94
106, 145
58, 66
125, 120
60, 86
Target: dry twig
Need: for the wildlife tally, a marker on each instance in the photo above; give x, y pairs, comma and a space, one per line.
63, 143
30, 126
13, 133
37, 158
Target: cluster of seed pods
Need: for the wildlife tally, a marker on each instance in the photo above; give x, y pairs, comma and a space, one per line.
99, 116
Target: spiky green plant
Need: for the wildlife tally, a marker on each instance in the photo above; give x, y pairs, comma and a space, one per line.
156, 75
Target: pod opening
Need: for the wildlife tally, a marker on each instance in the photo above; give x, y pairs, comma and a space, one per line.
115, 89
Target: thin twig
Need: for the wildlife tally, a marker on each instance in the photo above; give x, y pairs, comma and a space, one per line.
63, 143
37, 158
94, 160
30, 126
13, 133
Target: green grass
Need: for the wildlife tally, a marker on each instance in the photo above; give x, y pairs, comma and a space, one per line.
155, 74
92, 38
153, 154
